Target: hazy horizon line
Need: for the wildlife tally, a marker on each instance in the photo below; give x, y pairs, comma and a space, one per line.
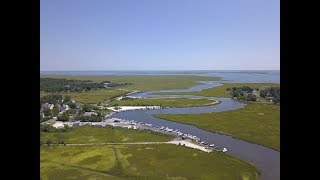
179, 70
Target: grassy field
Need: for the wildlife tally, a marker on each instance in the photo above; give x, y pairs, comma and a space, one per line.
139, 83
103, 134
145, 82
92, 97
220, 91
164, 102
140, 162
258, 122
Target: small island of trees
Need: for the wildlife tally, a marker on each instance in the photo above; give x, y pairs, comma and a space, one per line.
246, 93
271, 93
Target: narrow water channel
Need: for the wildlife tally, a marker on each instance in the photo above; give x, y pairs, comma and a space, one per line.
265, 159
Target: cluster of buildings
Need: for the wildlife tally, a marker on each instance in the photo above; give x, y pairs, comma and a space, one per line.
61, 107
115, 122
47, 105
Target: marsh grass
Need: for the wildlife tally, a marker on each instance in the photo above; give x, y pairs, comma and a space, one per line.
141, 162
164, 102
91, 134
138, 83
258, 122
220, 91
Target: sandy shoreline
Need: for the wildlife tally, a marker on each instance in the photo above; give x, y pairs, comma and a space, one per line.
189, 144
131, 108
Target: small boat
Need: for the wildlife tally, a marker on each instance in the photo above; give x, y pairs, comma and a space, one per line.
224, 149
211, 145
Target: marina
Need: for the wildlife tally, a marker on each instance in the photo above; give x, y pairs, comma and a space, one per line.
131, 124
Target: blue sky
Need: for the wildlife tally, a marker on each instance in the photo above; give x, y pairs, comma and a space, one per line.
159, 35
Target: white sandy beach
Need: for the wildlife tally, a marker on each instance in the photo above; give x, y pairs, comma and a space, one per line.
130, 108
189, 144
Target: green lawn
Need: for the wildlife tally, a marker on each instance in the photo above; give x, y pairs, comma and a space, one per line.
220, 91
87, 134
164, 102
140, 162
258, 122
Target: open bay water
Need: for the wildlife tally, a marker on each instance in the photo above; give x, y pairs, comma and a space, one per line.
229, 75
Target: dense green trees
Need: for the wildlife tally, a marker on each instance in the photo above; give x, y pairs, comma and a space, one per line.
71, 105
55, 111
67, 98
49, 129
44, 118
243, 88
251, 97
65, 85
246, 88
244, 93
272, 93
56, 100
51, 98
81, 112
101, 114
95, 107
92, 118
90, 108
47, 112
87, 108
64, 117
72, 111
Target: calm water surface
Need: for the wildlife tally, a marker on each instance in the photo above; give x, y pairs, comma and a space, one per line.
265, 159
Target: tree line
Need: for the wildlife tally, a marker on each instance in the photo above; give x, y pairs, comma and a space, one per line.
244, 93
92, 118
272, 93
66, 85
50, 129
